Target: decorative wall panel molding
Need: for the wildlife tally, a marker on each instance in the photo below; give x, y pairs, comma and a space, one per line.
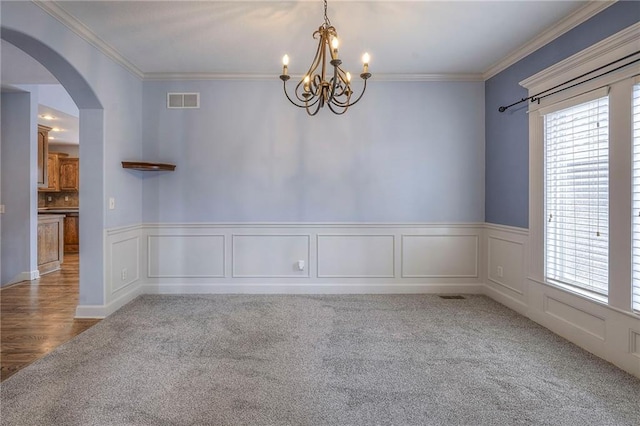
125, 265
634, 343
440, 256
356, 256
122, 275
575, 317
337, 257
505, 263
607, 332
186, 256
270, 256
351, 258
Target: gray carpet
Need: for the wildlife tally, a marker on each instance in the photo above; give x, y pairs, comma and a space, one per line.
319, 360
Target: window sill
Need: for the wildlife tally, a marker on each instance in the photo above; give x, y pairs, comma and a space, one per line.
591, 295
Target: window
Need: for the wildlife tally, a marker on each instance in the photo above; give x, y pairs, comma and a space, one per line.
584, 174
636, 198
576, 143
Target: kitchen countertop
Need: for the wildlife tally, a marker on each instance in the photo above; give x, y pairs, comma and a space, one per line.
58, 210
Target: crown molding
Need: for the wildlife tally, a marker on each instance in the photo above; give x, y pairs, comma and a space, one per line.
578, 17
158, 76
87, 35
591, 9
618, 45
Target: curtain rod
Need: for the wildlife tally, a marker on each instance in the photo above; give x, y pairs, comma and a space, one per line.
544, 94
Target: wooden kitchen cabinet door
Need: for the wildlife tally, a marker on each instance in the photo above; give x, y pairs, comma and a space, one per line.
43, 154
71, 234
69, 174
53, 170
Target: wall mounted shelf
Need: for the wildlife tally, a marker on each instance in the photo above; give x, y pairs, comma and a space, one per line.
147, 167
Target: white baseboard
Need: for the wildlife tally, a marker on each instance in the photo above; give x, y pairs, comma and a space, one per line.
103, 311
506, 300
24, 276
305, 288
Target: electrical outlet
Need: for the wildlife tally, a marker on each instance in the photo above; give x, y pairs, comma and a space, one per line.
124, 274
300, 265
49, 198
500, 272
66, 198
112, 203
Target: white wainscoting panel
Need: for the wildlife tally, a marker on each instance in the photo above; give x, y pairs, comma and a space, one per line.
270, 256
607, 332
123, 252
186, 256
356, 256
634, 340
359, 258
575, 317
338, 258
125, 264
506, 263
440, 256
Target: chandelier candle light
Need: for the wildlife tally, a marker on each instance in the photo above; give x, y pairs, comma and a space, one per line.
314, 91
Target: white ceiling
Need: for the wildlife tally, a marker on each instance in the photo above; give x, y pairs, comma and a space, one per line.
250, 37
65, 127
231, 38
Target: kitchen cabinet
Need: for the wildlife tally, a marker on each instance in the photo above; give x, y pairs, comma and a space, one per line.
69, 174
63, 173
43, 155
53, 171
50, 242
72, 233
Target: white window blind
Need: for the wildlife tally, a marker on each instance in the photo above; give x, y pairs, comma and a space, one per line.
636, 197
577, 195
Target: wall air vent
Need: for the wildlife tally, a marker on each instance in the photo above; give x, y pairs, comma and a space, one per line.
183, 100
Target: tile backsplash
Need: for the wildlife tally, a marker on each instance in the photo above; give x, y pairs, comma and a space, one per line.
58, 199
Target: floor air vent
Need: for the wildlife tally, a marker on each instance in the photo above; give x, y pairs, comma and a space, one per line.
452, 297
183, 100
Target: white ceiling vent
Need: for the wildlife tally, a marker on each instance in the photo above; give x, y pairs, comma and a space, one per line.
183, 100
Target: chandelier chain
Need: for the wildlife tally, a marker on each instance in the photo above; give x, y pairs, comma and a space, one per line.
327, 22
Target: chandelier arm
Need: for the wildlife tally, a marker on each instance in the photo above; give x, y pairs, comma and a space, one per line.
342, 104
296, 90
313, 94
344, 109
364, 88
317, 57
284, 86
334, 82
306, 101
317, 108
343, 87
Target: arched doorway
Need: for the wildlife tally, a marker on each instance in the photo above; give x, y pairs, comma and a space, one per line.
91, 120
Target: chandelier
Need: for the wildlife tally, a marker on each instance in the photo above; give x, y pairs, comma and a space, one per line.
314, 91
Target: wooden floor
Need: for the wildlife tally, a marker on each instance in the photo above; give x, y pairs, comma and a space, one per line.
38, 316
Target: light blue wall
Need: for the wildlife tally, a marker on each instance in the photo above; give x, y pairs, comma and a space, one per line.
408, 152
507, 134
109, 99
18, 133
119, 93
56, 97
